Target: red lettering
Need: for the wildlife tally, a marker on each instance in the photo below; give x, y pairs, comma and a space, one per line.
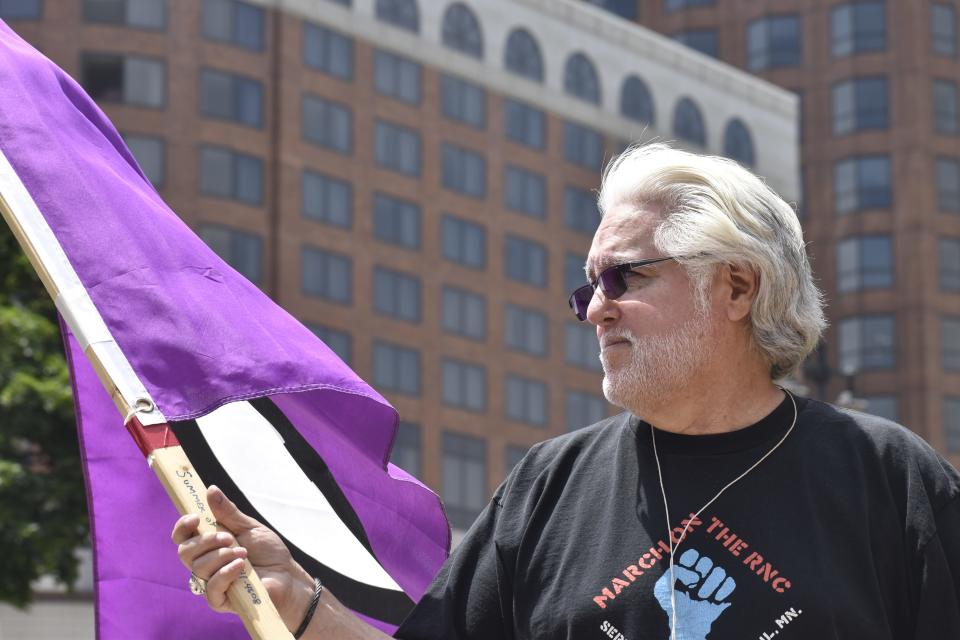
768, 572
714, 524
644, 561
753, 560
601, 600
618, 585
781, 584
632, 572
737, 548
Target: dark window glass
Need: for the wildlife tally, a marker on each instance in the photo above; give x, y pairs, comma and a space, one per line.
581, 346
525, 400
464, 385
130, 80
702, 40
943, 29
864, 262
883, 406
862, 183
583, 409
525, 124
231, 97
461, 31
688, 122
327, 124
582, 146
738, 143
522, 55
325, 274
345, 3
948, 185
950, 343
636, 102
229, 174
463, 313
580, 210
858, 104
867, 342
327, 199
580, 79
858, 27
573, 273
525, 261
327, 51
336, 340
21, 9
396, 368
774, 41
623, 8
399, 13
150, 153
950, 264
464, 242
463, 473
397, 148
951, 424
396, 221
945, 114
145, 14
406, 452
463, 171
676, 5
463, 101
396, 294
524, 191
397, 77
235, 22
241, 250
525, 330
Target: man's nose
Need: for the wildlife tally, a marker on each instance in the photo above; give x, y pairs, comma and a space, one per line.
602, 310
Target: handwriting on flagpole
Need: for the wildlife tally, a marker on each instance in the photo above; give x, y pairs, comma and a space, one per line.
187, 477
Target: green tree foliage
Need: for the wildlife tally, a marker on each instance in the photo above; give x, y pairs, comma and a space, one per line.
43, 514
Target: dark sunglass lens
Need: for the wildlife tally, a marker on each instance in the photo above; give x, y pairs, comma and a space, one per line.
580, 300
612, 282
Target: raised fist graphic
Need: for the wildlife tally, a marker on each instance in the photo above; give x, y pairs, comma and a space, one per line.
701, 593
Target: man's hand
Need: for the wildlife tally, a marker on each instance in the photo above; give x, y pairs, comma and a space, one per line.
701, 597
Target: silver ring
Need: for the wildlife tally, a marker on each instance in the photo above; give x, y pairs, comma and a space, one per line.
198, 586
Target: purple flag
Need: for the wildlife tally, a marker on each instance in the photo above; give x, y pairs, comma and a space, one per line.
261, 406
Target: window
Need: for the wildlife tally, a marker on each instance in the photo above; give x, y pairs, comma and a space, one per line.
582, 146
623, 8
229, 174
512, 455
883, 406
463, 101
862, 183
325, 274
858, 27
580, 211
131, 80
573, 273
396, 221
948, 184
951, 423
397, 148
583, 409
525, 191
525, 400
336, 340
231, 97
582, 348
464, 385
950, 264
738, 143
397, 77
867, 342
399, 13
241, 250
327, 124
864, 262
461, 31
943, 29
950, 343
636, 102
858, 104
396, 294
150, 154
945, 114
580, 79
20, 9
396, 368
464, 478
406, 448
463, 313
238, 23
146, 14
522, 55
702, 40
688, 123
676, 5
525, 261
326, 199
774, 42
464, 171
327, 51
525, 330
524, 124
464, 242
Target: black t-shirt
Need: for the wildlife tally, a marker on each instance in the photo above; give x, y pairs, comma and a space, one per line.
850, 530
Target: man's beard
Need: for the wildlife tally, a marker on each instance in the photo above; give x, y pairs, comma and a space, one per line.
659, 365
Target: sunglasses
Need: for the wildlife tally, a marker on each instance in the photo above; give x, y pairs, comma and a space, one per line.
612, 281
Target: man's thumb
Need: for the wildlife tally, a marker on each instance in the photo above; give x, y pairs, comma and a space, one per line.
227, 513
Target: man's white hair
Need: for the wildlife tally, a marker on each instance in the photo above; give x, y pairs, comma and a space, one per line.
716, 212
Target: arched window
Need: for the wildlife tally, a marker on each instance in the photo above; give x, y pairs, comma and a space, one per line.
738, 143
636, 102
461, 31
400, 13
688, 123
522, 55
580, 79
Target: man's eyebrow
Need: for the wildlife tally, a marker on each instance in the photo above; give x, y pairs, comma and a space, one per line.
605, 262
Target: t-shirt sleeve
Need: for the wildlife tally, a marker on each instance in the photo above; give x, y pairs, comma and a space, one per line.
938, 613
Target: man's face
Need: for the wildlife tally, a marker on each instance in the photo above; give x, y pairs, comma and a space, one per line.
654, 337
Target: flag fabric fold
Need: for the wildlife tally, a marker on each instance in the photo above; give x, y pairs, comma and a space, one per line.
216, 355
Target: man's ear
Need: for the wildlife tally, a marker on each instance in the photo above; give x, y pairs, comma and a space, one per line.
741, 283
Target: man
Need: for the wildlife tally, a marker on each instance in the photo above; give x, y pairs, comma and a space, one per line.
718, 505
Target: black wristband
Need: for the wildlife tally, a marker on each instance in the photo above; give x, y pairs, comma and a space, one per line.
317, 589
